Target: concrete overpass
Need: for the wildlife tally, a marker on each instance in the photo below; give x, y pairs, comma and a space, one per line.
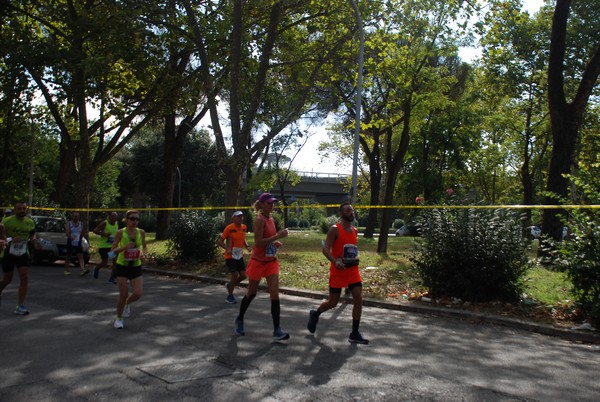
319, 188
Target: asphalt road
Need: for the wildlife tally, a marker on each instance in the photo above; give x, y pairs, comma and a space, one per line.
179, 345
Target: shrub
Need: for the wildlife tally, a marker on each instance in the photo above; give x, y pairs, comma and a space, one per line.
292, 222
579, 256
398, 223
580, 259
193, 236
304, 224
312, 215
472, 254
328, 222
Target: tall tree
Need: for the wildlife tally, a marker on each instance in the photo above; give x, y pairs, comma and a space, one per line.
514, 76
181, 96
405, 78
271, 75
200, 181
574, 66
94, 64
437, 157
275, 169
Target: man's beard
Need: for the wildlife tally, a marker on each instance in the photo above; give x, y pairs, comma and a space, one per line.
348, 218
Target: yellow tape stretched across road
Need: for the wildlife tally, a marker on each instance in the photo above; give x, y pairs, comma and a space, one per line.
223, 208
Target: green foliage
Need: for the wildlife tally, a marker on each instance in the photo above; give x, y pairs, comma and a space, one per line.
193, 236
328, 222
398, 223
303, 223
15, 163
201, 178
105, 191
472, 254
579, 257
313, 215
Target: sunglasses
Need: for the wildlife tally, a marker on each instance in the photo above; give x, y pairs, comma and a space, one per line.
133, 218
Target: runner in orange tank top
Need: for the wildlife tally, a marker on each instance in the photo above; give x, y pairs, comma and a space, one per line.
233, 240
340, 248
264, 264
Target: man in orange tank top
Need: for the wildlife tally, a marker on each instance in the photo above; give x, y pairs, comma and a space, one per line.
233, 240
340, 248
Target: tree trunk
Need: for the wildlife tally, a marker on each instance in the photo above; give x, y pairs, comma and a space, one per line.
394, 161
174, 140
66, 167
373, 212
374, 158
386, 214
83, 188
565, 117
565, 136
233, 186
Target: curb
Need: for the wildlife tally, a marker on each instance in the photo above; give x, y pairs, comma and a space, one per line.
592, 337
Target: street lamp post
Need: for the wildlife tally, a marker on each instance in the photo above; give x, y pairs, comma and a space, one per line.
31, 163
358, 100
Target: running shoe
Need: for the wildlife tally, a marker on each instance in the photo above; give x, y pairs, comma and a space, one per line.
21, 310
84, 272
118, 324
313, 319
279, 335
356, 337
112, 280
230, 299
127, 311
239, 327
96, 271
67, 272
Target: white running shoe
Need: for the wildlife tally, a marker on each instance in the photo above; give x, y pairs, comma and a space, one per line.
127, 311
118, 324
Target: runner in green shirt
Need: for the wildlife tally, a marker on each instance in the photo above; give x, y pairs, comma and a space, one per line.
107, 229
17, 230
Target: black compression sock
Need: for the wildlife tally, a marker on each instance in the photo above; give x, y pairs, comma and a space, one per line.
275, 312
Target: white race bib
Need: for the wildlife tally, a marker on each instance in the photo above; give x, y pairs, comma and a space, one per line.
18, 249
350, 253
131, 254
237, 253
271, 250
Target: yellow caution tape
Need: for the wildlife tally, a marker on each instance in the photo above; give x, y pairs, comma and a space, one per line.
357, 206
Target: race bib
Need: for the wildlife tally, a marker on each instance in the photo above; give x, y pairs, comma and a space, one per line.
18, 249
237, 253
110, 239
350, 253
271, 250
131, 254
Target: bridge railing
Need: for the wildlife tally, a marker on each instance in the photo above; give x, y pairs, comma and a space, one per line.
321, 175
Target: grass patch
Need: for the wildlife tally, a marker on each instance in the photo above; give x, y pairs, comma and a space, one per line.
155, 247
548, 287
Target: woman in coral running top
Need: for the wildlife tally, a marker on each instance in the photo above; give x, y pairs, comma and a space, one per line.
264, 264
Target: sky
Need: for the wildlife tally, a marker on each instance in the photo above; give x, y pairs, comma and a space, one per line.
309, 160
